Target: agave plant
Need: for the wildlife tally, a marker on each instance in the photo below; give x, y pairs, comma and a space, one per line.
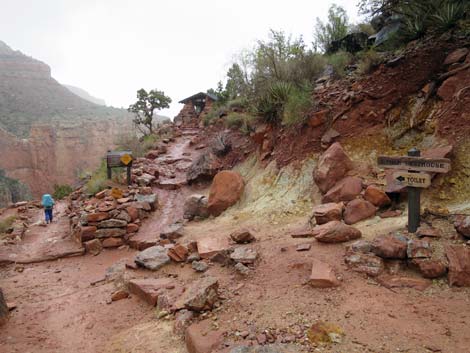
447, 13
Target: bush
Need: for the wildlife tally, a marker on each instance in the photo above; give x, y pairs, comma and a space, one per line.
61, 191
339, 61
98, 180
297, 106
138, 146
241, 121
6, 224
368, 61
271, 105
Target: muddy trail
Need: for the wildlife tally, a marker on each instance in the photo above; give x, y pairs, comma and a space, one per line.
64, 305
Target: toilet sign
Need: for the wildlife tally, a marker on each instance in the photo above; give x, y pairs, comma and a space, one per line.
115, 159
409, 173
416, 180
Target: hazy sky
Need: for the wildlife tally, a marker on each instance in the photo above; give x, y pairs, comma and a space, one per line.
111, 48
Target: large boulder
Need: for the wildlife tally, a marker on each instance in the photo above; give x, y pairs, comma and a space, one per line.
376, 196
4, 312
358, 210
346, 189
226, 189
328, 212
335, 232
459, 265
195, 206
332, 167
203, 168
390, 246
430, 268
153, 258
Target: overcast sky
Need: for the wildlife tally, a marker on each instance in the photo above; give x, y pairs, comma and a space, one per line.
111, 48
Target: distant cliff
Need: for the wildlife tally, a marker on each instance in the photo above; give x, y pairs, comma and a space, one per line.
48, 135
84, 94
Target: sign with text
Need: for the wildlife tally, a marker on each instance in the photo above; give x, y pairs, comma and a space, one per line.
416, 180
420, 164
118, 158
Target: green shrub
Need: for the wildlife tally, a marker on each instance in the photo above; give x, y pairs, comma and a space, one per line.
241, 121
339, 61
98, 180
449, 13
61, 191
368, 61
6, 224
297, 106
271, 105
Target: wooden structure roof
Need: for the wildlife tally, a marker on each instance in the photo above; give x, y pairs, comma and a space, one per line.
198, 97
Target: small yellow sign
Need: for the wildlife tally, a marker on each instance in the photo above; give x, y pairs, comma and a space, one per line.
126, 159
116, 193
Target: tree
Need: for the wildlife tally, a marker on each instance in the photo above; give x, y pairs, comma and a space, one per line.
336, 28
143, 109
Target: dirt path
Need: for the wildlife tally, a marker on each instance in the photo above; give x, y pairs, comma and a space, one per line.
62, 305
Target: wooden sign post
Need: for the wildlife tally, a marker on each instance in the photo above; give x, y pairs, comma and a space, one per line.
119, 159
409, 174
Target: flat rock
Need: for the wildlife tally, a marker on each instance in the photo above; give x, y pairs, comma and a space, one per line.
112, 223
209, 246
244, 255
151, 199
328, 212
335, 232
391, 281
322, 275
459, 265
149, 289
201, 337
346, 189
112, 242
178, 253
199, 266
367, 263
304, 232
358, 210
303, 247
173, 231
428, 232
153, 258
110, 232
390, 246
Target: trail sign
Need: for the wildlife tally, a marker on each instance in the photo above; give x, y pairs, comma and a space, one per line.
419, 164
119, 159
413, 179
416, 180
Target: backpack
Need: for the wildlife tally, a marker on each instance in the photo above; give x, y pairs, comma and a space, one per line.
47, 201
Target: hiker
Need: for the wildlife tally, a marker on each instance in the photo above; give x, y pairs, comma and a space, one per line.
48, 204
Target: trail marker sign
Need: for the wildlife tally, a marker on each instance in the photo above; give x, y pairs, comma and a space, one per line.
419, 164
408, 174
416, 180
116, 159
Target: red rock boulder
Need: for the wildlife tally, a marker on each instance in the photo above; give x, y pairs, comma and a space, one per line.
226, 190
332, 167
346, 189
376, 196
335, 232
459, 265
322, 275
328, 212
462, 226
201, 337
358, 210
390, 246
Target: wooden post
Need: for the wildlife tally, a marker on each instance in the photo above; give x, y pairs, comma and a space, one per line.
129, 174
109, 172
414, 199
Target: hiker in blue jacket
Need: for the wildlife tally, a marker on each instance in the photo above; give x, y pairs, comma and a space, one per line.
48, 204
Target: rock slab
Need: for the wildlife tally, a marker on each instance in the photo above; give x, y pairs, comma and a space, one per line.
152, 258
226, 189
335, 232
